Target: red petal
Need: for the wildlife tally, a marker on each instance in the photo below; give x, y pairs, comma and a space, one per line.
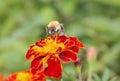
70, 43
64, 59
68, 55
33, 52
59, 50
61, 38
80, 44
75, 49
12, 77
36, 65
54, 68
39, 77
29, 52
77, 42
41, 42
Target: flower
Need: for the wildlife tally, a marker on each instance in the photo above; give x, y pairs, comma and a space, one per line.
1, 77
91, 54
47, 54
26, 76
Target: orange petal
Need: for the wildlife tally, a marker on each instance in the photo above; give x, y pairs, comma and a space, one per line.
54, 68
36, 65
68, 55
26, 76
1, 77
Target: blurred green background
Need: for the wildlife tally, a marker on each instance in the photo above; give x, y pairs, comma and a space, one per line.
95, 22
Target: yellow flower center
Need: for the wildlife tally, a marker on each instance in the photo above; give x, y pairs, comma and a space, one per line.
52, 46
22, 76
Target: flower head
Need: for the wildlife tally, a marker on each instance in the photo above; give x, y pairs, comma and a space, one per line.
26, 76
47, 54
1, 77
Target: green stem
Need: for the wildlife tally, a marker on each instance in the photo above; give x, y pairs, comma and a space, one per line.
79, 75
91, 68
89, 76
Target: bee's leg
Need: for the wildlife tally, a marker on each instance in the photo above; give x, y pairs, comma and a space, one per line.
62, 33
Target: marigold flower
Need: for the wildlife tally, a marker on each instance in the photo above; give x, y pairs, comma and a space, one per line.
26, 76
48, 53
1, 77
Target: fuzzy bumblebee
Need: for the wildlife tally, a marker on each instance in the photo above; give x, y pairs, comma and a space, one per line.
55, 28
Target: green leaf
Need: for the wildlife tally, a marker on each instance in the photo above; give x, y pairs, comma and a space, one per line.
105, 75
96, 77
113, 79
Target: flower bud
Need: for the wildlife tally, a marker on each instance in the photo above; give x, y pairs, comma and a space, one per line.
78, 63
91, 54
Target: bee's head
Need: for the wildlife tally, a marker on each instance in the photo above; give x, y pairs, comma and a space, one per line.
54, 28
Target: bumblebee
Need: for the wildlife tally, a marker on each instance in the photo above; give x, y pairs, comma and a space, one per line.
55, 28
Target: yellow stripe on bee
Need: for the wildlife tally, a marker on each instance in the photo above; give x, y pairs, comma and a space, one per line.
53, 24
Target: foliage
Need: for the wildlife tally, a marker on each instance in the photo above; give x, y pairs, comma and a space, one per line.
105, 76
96, 23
